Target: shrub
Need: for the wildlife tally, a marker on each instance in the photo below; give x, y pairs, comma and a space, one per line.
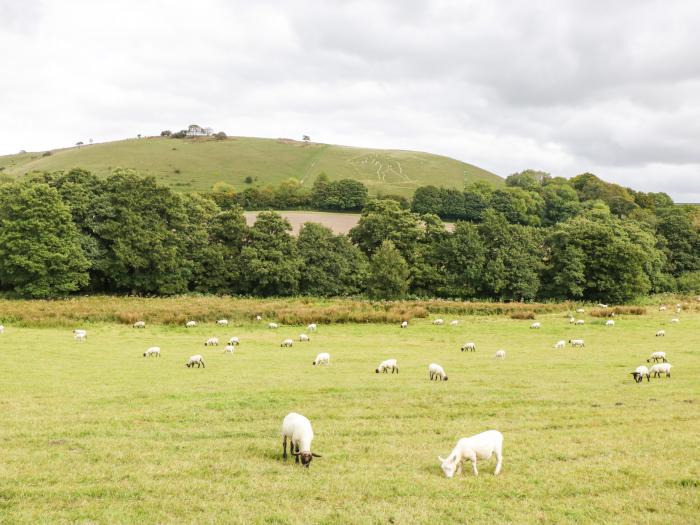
523, 315
689, 282
629, 310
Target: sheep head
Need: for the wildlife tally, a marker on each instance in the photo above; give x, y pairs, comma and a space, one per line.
448, 467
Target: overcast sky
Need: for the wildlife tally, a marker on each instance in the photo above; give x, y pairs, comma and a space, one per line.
610, 87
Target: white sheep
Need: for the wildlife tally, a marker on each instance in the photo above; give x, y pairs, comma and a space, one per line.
152, 351
195, 360
287, 343
258, 317
439, 322
190, 324
404, 324
436, 372
212, 341
662, 308
479, 446
580, 310
297, 429
312, 327
535, 326
579, 322
639, 373
675, 320
657, 356
660, 368
304, 337
454, 323
234, 341
2, 329
385, 366
560, 344
469, 347
501, 354
572, 320
79, 335
609, 322
577, 343
139, 324
273, 326
229, 349
602, 305
222, 322
324, 358
661, 333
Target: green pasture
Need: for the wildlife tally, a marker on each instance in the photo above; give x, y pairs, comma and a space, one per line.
95, 433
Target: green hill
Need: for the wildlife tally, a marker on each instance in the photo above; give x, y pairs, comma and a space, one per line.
197, 164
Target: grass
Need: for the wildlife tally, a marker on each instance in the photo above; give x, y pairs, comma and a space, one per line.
94, 433
188, 165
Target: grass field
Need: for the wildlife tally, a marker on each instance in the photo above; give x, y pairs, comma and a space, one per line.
188, 165
94, 433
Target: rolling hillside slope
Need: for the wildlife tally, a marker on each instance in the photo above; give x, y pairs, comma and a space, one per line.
197, 164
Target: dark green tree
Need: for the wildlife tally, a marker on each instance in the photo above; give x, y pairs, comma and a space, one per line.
385, 220
388, 274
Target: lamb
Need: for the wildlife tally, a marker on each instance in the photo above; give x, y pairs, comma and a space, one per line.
304, 337
661, 333
479, 446
639, 374
385, 366
234, 341
152, 351
312, 327
660, 368
139, 324
657, 356
228, 349
454, 323
297, 429
560, 344
577, 343
287, 343
404, 324
436, 372
501, 354
469, 347
222, 322
324, 358
675, 320
609, 322
439, 322
190, 324
195, 360
212, 341
535, 326
273, 326
579, 322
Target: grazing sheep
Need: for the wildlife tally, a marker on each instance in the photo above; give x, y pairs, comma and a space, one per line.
228, 349
139, 324
385, 366
222, 322
190, 324
287, 343
469, 347
657, 356
579, 322
662, 308
297, 429
404, 324
580, 310
258, 317
234, 341
661, 333
639, 374
195, 360
312, 327
152, 351
454, 323
304, 337
535, 326
572, 320
212, 341
577, 343
660, 368
560, 344
479, 446
675, 320
439, 322
601, 305
273, 326
2, 329
609, 322
79, 335
501, 354
436, 372
324, 358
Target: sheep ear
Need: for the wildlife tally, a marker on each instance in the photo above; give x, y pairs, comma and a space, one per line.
440, 459
316, 455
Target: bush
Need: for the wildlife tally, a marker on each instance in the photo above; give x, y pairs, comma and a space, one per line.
46, 154
220, 135
522, 315
248, 180
689, 282
629, 310
166, 133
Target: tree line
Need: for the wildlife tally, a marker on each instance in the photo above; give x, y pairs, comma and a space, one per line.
536, 238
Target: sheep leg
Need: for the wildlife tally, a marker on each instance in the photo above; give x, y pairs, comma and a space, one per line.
459, 468
499, 460
473, 460
284, 448
296, 457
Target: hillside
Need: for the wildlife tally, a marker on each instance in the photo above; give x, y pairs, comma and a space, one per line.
197, 164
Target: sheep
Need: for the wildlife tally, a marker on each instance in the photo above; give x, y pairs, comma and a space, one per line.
678, 309
324, 358
152, 351
385, 366
675, 320
190, 324
2, 329
287, 343
436, 372
639, 373
222, 322
195, 360
602, 305
139, 324
439, 322
535, 326
404, 324
657, 356
228, 349
609, 322
469, 347
304, 337
212, 341
662, 308
579, 322
661, 333
479, 446
258, 317
572, 320
312, 327
660, 368
297, 429
454, 323
273, 326
501, 354
580, 310
234, 341
577, 343
79, 335
560, 344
